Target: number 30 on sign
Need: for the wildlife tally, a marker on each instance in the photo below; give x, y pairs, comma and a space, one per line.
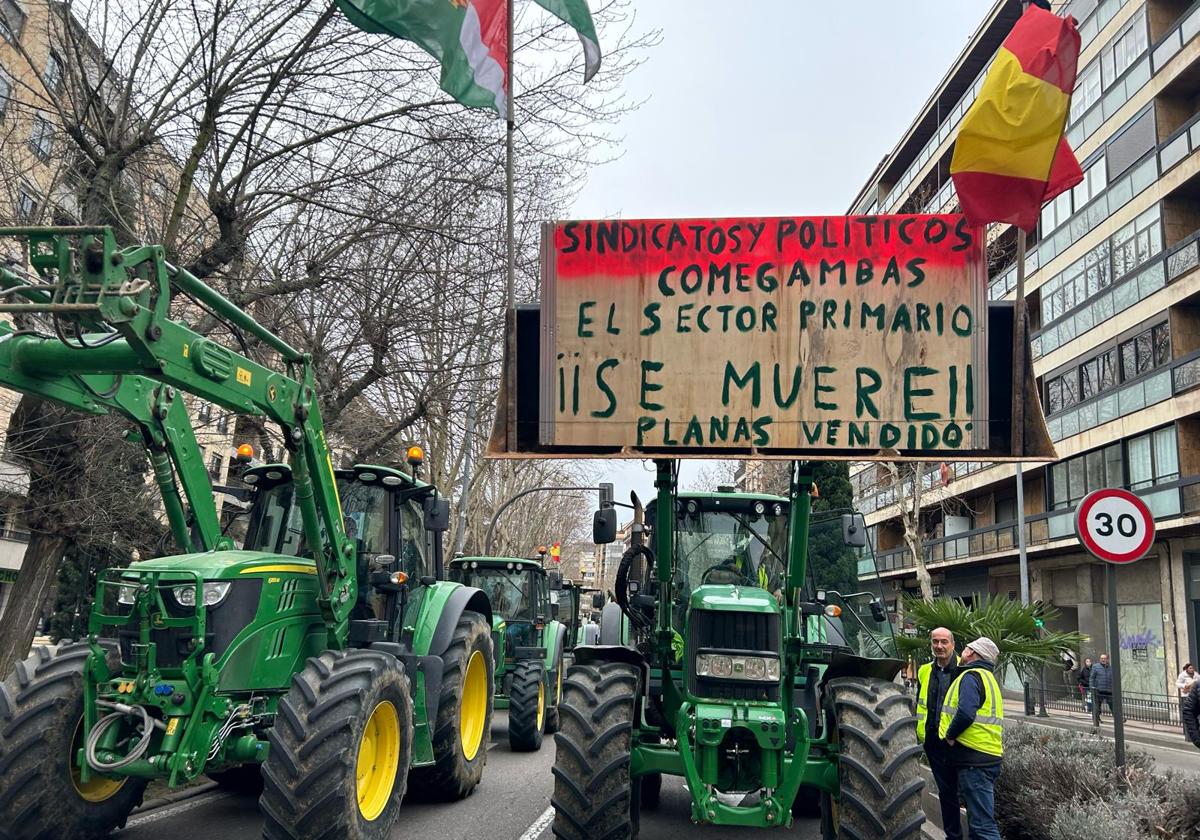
1114, 525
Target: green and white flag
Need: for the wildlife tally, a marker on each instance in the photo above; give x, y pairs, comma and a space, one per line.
468, 37
576, 14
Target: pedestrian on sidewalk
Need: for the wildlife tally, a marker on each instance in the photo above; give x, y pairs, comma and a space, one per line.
1191, 714
933, 680
1101, 681
1186, 679
1084, 681
972, 725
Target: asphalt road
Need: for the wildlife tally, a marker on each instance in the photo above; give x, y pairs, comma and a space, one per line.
512, 803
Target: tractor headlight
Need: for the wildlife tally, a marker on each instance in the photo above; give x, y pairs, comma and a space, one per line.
214, 592
127, 594
760, 668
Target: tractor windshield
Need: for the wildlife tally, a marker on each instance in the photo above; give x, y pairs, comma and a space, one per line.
509, 590
848, 577
275, 524
741, 548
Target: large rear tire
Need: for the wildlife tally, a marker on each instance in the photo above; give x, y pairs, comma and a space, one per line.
879, 771
340, 749
593, 793
527, 706
464, 719
41, 728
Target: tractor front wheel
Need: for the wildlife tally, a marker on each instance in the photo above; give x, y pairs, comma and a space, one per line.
464, 718
527, 706
340, 749
878, 755
41, 730
594, 795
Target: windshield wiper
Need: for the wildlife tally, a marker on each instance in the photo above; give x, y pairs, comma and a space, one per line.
756, 536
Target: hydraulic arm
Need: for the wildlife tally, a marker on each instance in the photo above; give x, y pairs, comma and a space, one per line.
116, 348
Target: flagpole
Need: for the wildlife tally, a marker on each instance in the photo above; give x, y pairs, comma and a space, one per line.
510, 294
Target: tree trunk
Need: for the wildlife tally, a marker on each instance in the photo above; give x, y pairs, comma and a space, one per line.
34, 589
910, 518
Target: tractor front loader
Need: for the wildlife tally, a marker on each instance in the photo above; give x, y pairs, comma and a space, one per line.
530, 642
769, 693
323, 659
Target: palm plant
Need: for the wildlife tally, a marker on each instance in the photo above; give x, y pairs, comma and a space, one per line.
1018, 630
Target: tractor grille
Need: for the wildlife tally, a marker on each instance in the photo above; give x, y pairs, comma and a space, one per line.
733, 632
222, 623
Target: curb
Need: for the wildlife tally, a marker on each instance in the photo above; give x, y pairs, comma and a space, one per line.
171, 797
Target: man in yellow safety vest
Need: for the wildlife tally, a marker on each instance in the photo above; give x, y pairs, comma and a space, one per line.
933, 681
972, 724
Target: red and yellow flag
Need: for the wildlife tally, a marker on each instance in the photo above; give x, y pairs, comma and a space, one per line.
1010, 157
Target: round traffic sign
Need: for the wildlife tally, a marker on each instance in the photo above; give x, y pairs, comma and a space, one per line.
1114, 525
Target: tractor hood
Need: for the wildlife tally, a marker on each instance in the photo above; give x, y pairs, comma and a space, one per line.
729, 598
228, 565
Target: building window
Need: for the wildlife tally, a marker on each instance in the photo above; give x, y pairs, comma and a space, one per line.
214, 466
27, 204
1153, 459
1098, 374
222, 423
53, 77
1074, 478
1087, 91
1125, 49
12, 21
1146, 351
41, 139
204, 411
5, 94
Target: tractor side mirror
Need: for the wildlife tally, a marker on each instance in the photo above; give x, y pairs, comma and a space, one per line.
854, 530
437, 513
597, 600
556, 581
604, 526
554, 610
878, 612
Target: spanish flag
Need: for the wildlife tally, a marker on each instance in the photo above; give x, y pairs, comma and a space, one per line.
1010, 157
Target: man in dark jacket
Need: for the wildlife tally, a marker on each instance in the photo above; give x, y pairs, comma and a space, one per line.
933, 681
1191, 715
972, 724
1102, 685
1084, 683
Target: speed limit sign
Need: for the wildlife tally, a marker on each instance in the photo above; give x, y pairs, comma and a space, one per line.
1114, 525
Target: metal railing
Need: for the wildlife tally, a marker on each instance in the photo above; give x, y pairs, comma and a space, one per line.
1155, 709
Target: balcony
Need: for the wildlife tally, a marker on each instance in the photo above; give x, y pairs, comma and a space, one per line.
1166, 501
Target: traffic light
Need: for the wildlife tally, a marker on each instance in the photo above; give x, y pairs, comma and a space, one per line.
1039, 623
606, 495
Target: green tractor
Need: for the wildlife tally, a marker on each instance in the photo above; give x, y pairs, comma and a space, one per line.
533, 642
324, 659
771, 694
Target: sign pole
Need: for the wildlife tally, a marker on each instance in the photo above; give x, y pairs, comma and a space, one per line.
1117, 527
1114, 646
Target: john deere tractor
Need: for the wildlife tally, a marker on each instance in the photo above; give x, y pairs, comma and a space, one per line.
323, 656
525, 627
768, 692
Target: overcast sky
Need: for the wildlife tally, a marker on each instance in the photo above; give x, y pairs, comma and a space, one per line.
769, 107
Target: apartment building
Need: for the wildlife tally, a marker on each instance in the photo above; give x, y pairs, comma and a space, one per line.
38, 185
1113, 293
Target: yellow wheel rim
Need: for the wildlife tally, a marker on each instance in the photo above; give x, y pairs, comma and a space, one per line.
378, 760
541, 715
98, 788
472, 713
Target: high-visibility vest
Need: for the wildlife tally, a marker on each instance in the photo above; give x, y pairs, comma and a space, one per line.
986, 734
923, 675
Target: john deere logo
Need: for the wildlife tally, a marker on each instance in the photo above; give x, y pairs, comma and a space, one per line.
157, 620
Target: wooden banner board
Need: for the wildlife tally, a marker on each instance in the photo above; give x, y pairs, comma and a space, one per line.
857, 336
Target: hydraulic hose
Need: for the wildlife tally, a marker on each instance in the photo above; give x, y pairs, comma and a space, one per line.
120, 712
621, 584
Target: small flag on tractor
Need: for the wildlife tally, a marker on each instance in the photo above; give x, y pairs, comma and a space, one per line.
556, 552
469, 38
1010, 156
